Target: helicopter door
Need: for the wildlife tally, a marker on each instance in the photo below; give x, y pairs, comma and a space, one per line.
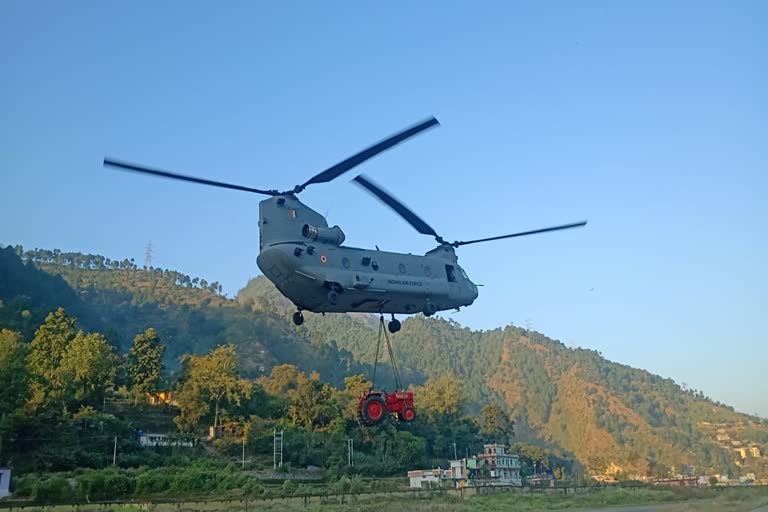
454, 290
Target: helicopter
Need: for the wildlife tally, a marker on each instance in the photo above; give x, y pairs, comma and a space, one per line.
310, 265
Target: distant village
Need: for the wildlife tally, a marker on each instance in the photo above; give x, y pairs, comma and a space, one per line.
495, 467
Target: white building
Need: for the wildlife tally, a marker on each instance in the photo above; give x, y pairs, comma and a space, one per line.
162, 440
421, 478
502, 467
5, 482
492, 467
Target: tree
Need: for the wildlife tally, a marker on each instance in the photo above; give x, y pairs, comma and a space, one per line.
282, 379
211, 379
88, 367
496, 423
441, 395
349, 398
14, 375
312, 403
47, 351
145, 363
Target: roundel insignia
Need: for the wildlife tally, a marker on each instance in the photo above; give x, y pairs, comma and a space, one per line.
323, 258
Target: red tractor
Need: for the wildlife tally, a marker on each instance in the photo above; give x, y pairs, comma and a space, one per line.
375, 404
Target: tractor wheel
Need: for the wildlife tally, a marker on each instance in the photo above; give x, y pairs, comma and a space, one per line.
408, 414
373, 410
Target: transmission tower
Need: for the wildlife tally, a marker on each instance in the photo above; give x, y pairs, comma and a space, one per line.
148, 258
277, 445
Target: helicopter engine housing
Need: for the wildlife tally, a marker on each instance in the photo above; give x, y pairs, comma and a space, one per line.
334, 235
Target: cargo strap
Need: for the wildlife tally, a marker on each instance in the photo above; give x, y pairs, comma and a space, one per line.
383, 329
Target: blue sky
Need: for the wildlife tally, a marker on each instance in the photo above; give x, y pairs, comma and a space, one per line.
649, 119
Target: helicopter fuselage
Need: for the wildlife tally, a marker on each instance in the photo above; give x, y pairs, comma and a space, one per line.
307, 262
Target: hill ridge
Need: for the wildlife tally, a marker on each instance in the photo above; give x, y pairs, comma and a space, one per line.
611, 416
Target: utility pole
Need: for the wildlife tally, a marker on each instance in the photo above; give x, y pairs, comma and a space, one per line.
114, 452
455, 457
350, 452
243, 460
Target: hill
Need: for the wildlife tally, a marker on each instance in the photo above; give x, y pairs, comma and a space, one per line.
612, 417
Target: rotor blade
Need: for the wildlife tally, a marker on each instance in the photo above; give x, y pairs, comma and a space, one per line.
412, 219
544, 230
355, 160
165, 174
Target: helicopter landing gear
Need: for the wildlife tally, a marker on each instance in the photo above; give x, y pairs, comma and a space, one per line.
298, 318
333, 297
393, 325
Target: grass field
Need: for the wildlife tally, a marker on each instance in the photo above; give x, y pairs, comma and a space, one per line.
675, 500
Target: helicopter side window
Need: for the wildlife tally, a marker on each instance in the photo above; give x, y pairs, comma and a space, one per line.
451, 273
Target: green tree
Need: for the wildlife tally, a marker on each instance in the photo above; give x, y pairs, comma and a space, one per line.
47, 351
211, 379
312, 403
282, 379
497, 424
441, 395
349, 398
89, 366
145, 363
14, 375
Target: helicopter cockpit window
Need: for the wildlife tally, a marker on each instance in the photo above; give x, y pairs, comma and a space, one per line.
451, 273
463, 274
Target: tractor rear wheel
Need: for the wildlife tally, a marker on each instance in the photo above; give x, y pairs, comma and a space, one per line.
373, 409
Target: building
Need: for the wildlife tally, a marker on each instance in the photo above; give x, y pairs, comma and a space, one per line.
162, 440
5, 482
497, 467
494, 466
685, 481
541, 480
754, 451
421, 478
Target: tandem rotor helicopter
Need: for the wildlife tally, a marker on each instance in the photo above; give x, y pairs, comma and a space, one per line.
308, 263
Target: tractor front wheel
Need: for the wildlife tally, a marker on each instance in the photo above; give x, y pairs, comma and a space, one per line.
408, 414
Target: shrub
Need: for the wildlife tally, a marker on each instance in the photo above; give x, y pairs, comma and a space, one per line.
53, 490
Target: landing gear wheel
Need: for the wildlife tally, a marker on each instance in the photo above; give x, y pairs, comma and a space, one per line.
408, 414
394, 325
373, 410
333, 297
298, 318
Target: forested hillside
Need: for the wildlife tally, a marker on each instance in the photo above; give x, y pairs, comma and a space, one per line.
610, 416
